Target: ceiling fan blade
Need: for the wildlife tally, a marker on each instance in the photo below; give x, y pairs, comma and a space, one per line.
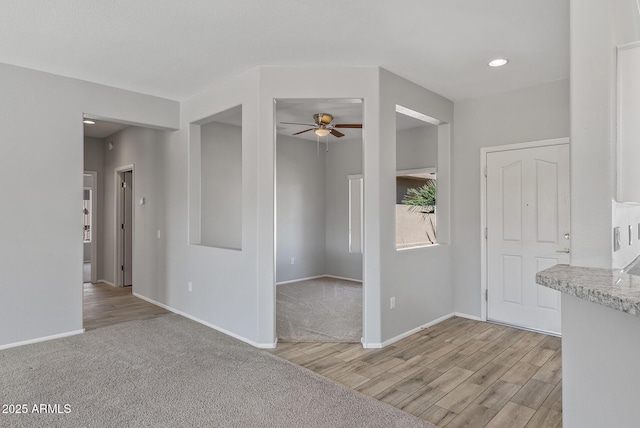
302, 132
336, 133
348, 125
297, 123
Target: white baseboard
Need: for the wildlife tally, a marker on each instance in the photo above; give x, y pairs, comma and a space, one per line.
317, 277
343, 278
407, 333
215, 327
41, 339
300, 279
107, 282
467, 316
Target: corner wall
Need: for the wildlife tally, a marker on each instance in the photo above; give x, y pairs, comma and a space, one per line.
539, 112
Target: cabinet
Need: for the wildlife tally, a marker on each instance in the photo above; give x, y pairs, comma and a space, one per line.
628, 141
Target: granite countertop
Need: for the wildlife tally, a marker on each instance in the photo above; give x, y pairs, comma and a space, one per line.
607, 287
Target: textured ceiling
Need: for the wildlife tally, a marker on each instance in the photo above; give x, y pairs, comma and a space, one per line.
175, 49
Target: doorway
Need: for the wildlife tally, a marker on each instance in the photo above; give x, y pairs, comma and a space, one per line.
526, 230
318, 232
124, 226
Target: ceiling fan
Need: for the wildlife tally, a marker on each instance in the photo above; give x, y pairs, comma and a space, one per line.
323, 126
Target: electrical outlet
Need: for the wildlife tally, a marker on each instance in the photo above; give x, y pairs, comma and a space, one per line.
190, 286
292, 260
616, 239
392, 302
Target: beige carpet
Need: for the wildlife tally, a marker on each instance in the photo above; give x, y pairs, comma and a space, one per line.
173, 372
319, 310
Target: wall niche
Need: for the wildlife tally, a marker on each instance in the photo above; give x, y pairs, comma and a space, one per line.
216, 180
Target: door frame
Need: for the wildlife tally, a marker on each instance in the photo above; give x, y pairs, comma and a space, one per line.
483, 205
94, 225
118, 274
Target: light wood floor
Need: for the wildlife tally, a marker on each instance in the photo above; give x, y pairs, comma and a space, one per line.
106, 305
459, 373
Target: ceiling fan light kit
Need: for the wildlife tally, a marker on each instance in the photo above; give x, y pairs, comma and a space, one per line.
322, 131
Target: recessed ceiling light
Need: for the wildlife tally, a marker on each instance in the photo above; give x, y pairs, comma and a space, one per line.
89, 122
498, 62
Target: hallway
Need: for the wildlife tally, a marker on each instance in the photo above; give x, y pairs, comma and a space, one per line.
106, 305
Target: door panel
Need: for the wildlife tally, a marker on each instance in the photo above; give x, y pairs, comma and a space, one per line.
512, 202
527, 219
127, 230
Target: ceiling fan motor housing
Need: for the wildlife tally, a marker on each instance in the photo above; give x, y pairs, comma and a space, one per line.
323, 118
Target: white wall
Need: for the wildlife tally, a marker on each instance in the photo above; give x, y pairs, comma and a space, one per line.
221, 185
47, 301
300, 190
338, 82
419, 278
232, 290
224, 281
417, 147
536, 113
138, 147
343, 159
600, 374
592, 398
597, 27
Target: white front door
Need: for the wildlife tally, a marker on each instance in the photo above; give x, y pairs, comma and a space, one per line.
527, 231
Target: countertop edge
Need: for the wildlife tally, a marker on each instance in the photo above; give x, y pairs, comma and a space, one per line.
591, 284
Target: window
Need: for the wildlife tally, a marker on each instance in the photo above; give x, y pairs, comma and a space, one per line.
416, 209
416, 184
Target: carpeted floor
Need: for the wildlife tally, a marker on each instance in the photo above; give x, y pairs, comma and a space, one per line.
171, 372
319, 310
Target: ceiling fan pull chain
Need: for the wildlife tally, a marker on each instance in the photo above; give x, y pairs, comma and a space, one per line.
317, 144
327, 142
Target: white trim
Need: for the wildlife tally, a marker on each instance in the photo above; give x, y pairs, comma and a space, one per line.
520, 327
467, 316
407, 333
107, 282
428, 170
344, 278
629, 46
417, 115
215, 327
299, 280
41, 339
483, 205
317, 277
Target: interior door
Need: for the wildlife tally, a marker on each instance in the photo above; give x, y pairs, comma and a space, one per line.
127, 227
527, 231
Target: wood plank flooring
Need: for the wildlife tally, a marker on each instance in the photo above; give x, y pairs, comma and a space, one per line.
459, 373
106, 305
